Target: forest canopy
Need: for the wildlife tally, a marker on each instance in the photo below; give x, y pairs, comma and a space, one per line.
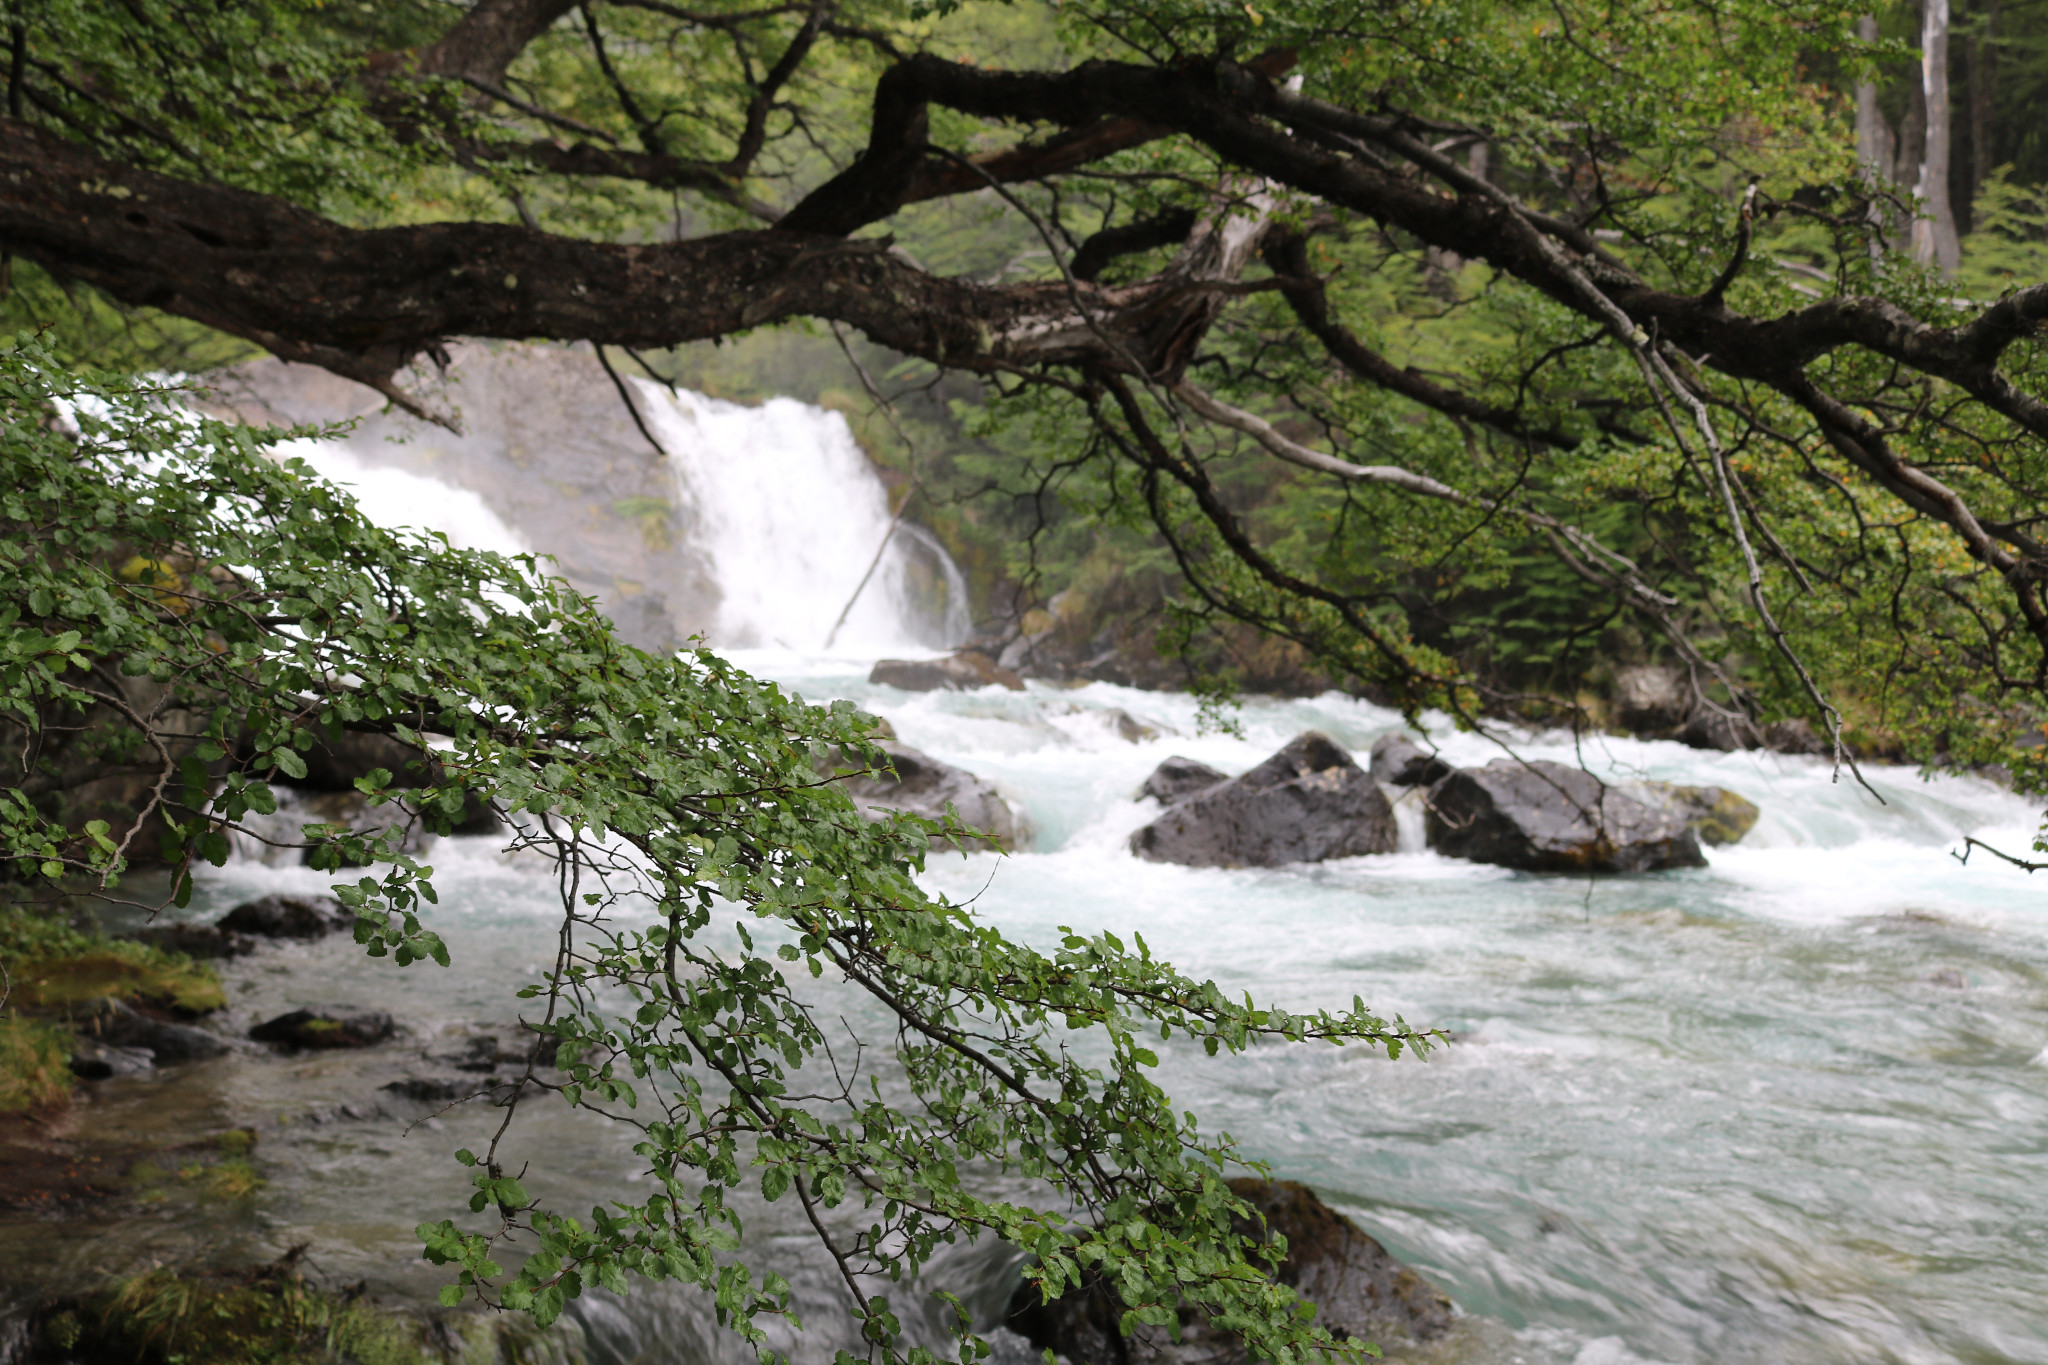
1445, 340
1414, 334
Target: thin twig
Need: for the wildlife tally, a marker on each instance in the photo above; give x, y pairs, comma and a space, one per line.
626, 397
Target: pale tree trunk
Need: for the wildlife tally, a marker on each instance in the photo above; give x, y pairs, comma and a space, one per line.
1875, 146
1934, 234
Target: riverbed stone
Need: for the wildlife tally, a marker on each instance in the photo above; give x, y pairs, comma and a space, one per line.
288, 917
120, 1024
1399, 761
92, 1060
208, 942
1307, 803
1359, 1290
1547, 817
320, 1029
1650, 698
1718, 816
1179, 778
962, 672
924, 785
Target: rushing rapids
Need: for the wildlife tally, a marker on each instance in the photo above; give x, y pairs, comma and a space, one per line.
1785, 1107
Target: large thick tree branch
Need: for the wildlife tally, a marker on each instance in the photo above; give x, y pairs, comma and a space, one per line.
486, 40
364, 302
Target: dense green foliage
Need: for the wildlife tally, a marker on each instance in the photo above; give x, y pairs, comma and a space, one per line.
267, 1316
708, 875
1641, 126
1440, 464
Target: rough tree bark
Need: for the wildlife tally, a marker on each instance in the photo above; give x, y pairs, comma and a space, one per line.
1934, 234
1877, 147
364, 303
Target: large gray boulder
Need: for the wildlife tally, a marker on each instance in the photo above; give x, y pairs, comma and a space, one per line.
1179, 778
277, 916
1359, 1290
1547, 817
1306, 803
962, 672
1399, 761
924, 786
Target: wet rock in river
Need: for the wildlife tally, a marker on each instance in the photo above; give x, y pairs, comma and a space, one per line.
924, 786
1650, 698
962, 672
314, 1029
1306, 803
205, 941
288, 917
96, 1061
1359, 1291
1718, 816
1547, 817
449, 1089
121, 1025
1178, 778
1399, 761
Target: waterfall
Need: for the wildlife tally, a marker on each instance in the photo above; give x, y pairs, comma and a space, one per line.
756, 530
791, 516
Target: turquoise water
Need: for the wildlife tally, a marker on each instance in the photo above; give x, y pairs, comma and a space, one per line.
1790, 1107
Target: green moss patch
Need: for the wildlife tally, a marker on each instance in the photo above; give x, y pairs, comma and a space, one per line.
35, 1070
270, 1316
55, 965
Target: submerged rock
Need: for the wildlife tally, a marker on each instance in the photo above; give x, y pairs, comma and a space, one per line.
1178, 778
1128, 727
121, 1025
288, 917
1399, 761
1306, 803
1359, 1291
924, 786
204, 941
311, 1029
1547, 817
97, 1061
962, 672
1718, 816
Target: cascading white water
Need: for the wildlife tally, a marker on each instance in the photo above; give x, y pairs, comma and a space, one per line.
790, 514
756, 530
1781, 1110
1786, 1109
400, 497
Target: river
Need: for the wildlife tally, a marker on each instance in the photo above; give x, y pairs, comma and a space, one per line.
1789, 1108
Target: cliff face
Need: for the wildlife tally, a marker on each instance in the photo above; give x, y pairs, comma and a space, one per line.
549, 446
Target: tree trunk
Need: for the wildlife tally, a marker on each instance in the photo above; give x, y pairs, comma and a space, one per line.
1983, 93
1934, 233
1876, 146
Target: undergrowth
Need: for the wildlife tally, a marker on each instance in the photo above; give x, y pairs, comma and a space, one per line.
266, 1316
53, 964
35, 1072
